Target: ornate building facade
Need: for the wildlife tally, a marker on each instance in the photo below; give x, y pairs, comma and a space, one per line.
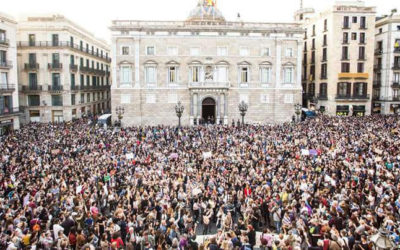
207, 63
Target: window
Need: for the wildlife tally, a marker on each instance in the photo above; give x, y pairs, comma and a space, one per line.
344, 89
396, 77
244, 51
362, 38
56, 59
54, 40
56, 100
325, 42
345, 67
194, 51
195, 73
363, 22
313, 43
346, 22
150, 51
345, 37
172, 74
360, 89
150, 74
353, 36
311, 89
361, 53
244, 74
264, 98
72, 80
82, 98
324, 71
398, 27
355, 19
72, 99
33, 100
71, 41
313, 30
150, 98
313, 57
265, 52
265, 74
324, 54
222, 51
125, 50
32, 58
172, 51
360, 67
288, 73
88, 97
323, 88
82, 80
126, 75
3, 79
289, 52
172, 98
32, 39
2, 36
56, 80
325, 25
288, 99
345, 53
222, 74
125, 98
397, 45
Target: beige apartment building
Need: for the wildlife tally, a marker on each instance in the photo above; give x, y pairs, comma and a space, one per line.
64, 71
386, 98
9, 108
338, 58
207, 63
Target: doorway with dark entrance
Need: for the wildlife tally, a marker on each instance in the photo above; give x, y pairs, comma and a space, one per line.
208, 110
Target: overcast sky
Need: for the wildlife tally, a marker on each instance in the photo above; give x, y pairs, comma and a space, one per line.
96, 16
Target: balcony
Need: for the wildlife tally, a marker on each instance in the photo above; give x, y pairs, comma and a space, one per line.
353, 75
396, 85
4, 42
73, 67
377, 67
85, 70
378, 52
54, 66
396, 66
5, 64
396, 50
63, 44
349, 97
31, 66
7, 88
55, 88
346, 26
210, 85
322, 97
396, 99
32, 88
9, 111
377, 84
376, 98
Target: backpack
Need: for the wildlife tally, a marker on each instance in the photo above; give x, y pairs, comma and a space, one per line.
263, 240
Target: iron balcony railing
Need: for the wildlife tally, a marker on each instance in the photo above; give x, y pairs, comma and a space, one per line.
31, 66
377, 84
322, 97
352, 97
9, 111
6, 64
396, 66
54, 66
55, 88
7, 87
377, 66
209, 85
63, 44
32, 88
73, 67
378, 51
396, 85
4, 42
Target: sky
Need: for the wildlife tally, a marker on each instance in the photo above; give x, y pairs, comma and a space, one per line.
96, 15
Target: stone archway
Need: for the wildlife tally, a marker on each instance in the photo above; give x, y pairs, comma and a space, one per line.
208, 110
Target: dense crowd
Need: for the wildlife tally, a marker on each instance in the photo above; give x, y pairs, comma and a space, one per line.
326, 183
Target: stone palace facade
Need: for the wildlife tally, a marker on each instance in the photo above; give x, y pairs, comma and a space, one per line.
207, 63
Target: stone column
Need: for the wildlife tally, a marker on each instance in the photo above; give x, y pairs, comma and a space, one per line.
299, 64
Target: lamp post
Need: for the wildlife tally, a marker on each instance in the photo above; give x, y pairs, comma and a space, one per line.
382, 240
120, 111
297, 108
243, 109
179, 108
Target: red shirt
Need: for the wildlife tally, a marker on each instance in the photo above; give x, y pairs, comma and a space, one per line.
120, 243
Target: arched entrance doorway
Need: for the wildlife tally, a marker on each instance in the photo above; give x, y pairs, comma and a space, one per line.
208, 110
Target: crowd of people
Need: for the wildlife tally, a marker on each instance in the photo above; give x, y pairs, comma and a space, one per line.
325, 183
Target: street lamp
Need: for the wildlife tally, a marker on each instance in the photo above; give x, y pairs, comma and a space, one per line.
179, 111
243, 109
120, 111
297, 108
382, 240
